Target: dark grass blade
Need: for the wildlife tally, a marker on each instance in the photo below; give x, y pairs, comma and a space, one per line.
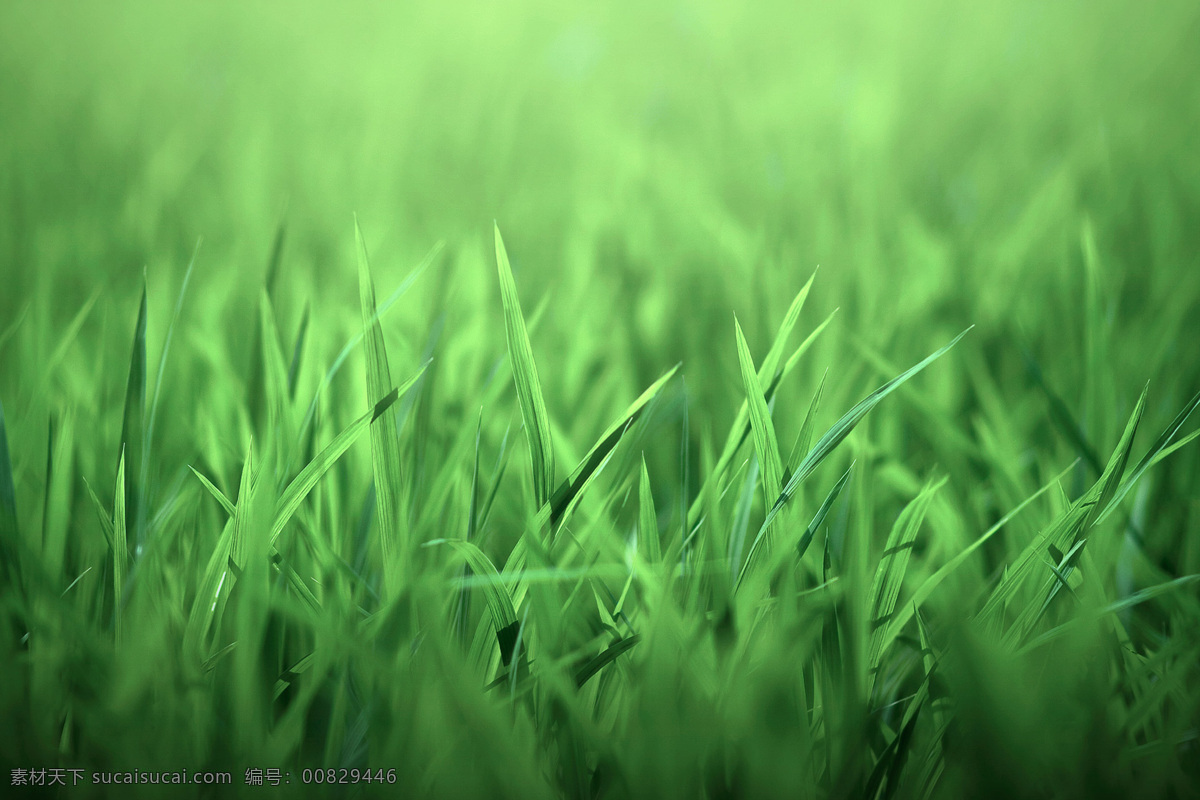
385, 442
129, 447
598, 662
255, 388
525, 377
1152, 457
1061, 573
297, 353
500, 605
570, 489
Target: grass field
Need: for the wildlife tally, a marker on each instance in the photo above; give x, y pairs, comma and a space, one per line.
694, 400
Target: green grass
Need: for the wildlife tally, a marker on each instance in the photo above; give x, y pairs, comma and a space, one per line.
303, 466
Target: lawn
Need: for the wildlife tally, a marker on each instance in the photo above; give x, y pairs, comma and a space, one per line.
529, 400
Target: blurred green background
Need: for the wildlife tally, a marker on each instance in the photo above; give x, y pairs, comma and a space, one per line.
654, 167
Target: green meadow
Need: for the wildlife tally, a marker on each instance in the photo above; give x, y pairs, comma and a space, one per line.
612, 400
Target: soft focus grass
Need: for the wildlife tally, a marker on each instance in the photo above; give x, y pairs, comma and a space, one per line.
603, 540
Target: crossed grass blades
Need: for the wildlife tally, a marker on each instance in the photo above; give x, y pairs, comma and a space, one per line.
667, 652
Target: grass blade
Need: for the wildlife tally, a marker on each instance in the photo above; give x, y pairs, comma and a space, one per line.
120, 549
648, 535
569, 490
302, 484
385, 442
837, 434
766, 445
889, 575
133, 420
525, 376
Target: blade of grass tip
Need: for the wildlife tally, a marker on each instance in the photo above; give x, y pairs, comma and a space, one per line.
120, 548
106, 524
822, 512
741, 424
302, 484
770, 362
499, 602
1156, 453
385, 442
766, 445
804, 437
254, 380
889, 575
570, 489
162, 359
9, 534
217, 494
130, 445
354, 340
933, 581
217, 578
648, 518
297, 352
837, 434
525, 377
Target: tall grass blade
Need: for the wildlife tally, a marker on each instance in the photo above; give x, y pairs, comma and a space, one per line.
648, 536
766, 445
385, 442
133, 422
120, 549
525, 376
889, 575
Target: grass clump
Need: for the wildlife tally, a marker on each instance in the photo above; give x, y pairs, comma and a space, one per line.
532, 521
